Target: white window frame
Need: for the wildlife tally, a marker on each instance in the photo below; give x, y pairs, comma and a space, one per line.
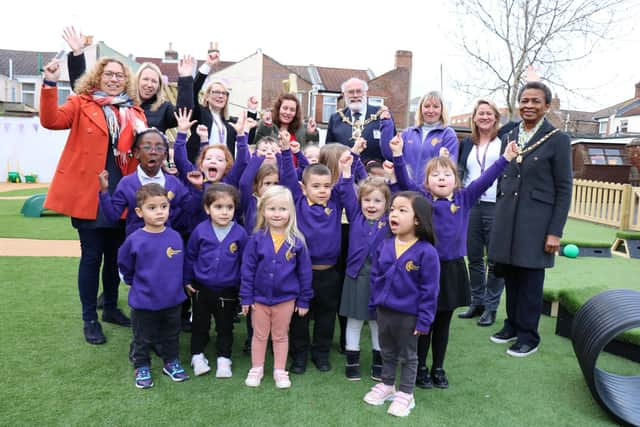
328, 108
25, 92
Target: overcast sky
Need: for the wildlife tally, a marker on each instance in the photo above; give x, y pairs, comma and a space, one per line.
333, 33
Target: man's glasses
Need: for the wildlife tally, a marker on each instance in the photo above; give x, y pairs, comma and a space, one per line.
110, 74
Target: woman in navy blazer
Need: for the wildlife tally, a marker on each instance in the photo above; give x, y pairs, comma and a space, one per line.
533, 200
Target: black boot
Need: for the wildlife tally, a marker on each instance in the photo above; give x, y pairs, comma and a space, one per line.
472, 311
423, 379
376, 365
352, 368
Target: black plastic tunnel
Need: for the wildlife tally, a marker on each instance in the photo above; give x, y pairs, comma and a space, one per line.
597, 323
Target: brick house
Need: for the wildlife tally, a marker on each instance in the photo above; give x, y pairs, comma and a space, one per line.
622, 118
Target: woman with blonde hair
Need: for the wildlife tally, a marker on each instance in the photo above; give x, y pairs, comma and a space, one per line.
102, 119
428, 138
478, 152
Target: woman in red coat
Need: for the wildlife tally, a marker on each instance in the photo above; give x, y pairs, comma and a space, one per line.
102, 120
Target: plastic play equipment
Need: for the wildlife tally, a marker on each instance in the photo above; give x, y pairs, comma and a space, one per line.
595, 324
32, 207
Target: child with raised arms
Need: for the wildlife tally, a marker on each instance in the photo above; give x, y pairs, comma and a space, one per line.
212, 277
368, 226
451, 208
404, 293
276, 282
151, 262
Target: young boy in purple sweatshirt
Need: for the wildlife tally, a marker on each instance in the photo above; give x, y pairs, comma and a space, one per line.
151, 262
319, 212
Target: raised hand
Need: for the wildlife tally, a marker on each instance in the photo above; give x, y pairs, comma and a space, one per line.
312, 126
511, 151
359, 145
103, 179
345, 162
266, 117
213, 58
183, 117
196, 179
52, 70
203, 132
240, 123
73, 39
284, 140
252, 103
385, 113
444, 152
295, 147
396, 145
389, 172
249, 124
186, 65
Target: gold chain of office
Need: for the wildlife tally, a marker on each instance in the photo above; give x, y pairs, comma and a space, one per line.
359, 125
520, 156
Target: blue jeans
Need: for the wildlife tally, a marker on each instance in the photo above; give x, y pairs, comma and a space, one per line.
486, 288
97, 244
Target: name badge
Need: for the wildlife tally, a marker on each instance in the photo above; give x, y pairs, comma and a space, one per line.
376, 134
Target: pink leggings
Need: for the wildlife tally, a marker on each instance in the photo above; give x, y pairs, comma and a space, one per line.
274, 319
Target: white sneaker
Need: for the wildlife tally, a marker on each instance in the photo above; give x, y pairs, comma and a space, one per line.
200, 364
402, 404
281, 378
254, 377
379, 394
223, 370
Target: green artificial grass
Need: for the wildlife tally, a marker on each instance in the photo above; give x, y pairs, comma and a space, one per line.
50, 226
632, 235
588, 233
25, 192
52, 377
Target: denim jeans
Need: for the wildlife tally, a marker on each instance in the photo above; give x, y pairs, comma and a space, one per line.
99, 246
486, 288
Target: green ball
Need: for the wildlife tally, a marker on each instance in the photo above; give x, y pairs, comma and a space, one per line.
571, 251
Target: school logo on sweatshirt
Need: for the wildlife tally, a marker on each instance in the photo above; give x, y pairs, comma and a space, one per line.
233, 248
410, 266
171, 252
435, 141
328, 211
289, 254
454, 208
381, 224
170, 195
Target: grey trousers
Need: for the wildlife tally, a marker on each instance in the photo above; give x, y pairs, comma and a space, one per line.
398, 345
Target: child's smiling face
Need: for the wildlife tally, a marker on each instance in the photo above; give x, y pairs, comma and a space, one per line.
441, 182
221, 210
151, 152
373, 205
214, 164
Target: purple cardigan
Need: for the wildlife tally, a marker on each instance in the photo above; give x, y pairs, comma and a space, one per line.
409, 284
183, 202
271, 278
151, 263
420, 153
364, 235
212, 263
451, 217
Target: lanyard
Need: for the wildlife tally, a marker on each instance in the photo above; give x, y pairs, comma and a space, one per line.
484, 157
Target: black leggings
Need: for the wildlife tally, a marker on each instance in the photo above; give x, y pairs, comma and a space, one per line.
438, 337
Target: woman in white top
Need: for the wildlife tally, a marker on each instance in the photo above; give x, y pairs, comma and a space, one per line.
477, 153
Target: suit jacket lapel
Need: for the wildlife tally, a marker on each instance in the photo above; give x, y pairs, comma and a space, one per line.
544, 129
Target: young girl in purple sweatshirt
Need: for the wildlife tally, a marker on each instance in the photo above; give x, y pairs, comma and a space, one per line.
276, 282
451, 208
404, 293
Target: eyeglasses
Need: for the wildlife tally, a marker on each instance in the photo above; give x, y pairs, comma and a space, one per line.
110, 74
157, 148
218, 93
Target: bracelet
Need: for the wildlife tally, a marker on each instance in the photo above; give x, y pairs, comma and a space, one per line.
49, 83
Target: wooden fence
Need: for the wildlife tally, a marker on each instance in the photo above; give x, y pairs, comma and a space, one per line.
616, 205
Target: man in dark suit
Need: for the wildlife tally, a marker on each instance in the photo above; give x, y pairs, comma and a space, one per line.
357, 118
533, 200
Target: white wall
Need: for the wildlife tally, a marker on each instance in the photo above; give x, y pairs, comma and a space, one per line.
29, 148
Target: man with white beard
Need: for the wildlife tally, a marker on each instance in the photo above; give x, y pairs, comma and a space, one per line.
358, 119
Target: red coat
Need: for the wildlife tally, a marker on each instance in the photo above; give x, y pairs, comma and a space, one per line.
74, 188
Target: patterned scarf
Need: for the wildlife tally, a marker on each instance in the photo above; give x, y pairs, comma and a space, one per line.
122, 127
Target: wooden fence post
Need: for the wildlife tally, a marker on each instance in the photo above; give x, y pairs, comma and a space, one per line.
625, 208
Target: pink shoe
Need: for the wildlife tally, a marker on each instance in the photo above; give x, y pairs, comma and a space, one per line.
402, 404
281, 377
254, 377
379, 394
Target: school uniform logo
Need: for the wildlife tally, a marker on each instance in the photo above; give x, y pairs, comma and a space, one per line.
233, 247
289, 254
410, 266
171, 252
328, 211
454, 208
381, 224
170, 195
435, 141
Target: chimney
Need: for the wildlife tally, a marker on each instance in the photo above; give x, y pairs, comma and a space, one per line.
170, 54
638, 90
403, 59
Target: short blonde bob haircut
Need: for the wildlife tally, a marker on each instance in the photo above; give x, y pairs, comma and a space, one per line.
444, 114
